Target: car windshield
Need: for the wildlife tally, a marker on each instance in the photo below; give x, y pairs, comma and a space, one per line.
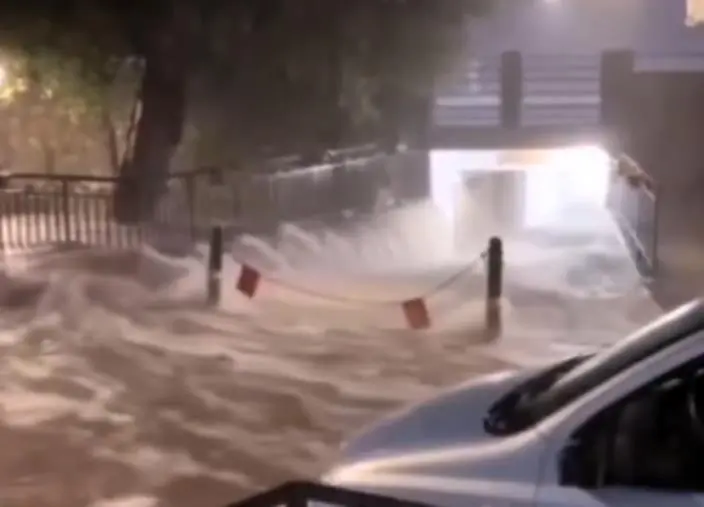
559, 386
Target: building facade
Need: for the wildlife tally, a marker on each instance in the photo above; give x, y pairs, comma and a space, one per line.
649, 27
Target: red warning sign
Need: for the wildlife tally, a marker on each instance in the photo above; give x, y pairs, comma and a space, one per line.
416, 314
248, 281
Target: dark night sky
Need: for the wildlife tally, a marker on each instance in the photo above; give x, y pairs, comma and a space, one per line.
579, 26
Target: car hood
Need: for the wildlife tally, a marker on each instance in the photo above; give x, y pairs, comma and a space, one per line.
455, 416
438, 451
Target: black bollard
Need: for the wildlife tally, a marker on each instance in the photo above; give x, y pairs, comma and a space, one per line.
215, 266
494, 286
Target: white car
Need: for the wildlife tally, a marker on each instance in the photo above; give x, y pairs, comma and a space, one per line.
623, 427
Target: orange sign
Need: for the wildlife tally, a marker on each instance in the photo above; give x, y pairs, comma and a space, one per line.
416, 314
248, 281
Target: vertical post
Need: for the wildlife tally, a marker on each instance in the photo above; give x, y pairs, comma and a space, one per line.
215, 266
511, 89
494, 287
191, 198
655, 233
4, 184
66, 208
616, 87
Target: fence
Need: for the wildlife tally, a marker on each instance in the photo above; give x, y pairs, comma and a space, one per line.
633, 199
38, 210
258, 202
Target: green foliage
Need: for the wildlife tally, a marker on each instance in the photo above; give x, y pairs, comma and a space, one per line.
68, 77
284, 72
317, 71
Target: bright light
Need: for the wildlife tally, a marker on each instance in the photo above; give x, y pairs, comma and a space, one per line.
446, 169
444, 180
695, 12
580, 158
570, 176
3, 76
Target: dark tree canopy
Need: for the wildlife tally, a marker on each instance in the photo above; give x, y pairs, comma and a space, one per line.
238, 74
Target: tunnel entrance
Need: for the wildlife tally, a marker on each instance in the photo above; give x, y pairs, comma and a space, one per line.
485, 193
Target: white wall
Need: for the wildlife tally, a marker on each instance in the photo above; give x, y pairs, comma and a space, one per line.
582, 26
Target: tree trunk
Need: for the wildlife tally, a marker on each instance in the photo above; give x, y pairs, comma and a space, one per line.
389, 103
111, 142
163, 99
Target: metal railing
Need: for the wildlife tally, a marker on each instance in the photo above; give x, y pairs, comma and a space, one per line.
259, 201
38, 209
633, 200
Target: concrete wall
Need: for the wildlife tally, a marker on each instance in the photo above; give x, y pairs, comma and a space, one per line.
665, 134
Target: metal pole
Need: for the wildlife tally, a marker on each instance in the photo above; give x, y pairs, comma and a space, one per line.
494, 287
215, 266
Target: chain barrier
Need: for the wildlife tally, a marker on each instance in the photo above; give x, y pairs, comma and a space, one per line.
415, 308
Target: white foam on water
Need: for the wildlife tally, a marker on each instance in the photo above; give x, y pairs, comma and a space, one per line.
415, 237
127, 501
297, 242
263, 251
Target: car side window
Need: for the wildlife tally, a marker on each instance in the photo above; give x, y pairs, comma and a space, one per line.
652, 438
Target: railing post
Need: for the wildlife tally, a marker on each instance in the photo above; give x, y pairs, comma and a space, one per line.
215, 266
511, 89
191, 198
66, 209
615, 86
655, 238
494, 287
4, 184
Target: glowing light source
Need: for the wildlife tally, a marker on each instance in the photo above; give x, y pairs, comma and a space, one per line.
569, 176
695, 12
446, 169
581, 158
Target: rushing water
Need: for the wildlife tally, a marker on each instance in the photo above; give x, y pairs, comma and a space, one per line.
118, 387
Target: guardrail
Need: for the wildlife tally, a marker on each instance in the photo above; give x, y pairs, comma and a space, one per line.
633, 200
39, 209
355, 179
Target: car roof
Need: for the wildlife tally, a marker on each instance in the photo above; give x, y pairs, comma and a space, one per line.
656, 336
676, 324
663, 332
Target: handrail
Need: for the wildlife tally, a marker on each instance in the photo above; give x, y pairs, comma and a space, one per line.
277, 163
361, 151
39, 209
634, 200
629, 168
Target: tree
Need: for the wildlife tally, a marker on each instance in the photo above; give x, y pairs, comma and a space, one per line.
75, 49
289, 73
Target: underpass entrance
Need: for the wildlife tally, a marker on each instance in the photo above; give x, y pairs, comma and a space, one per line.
557, 193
